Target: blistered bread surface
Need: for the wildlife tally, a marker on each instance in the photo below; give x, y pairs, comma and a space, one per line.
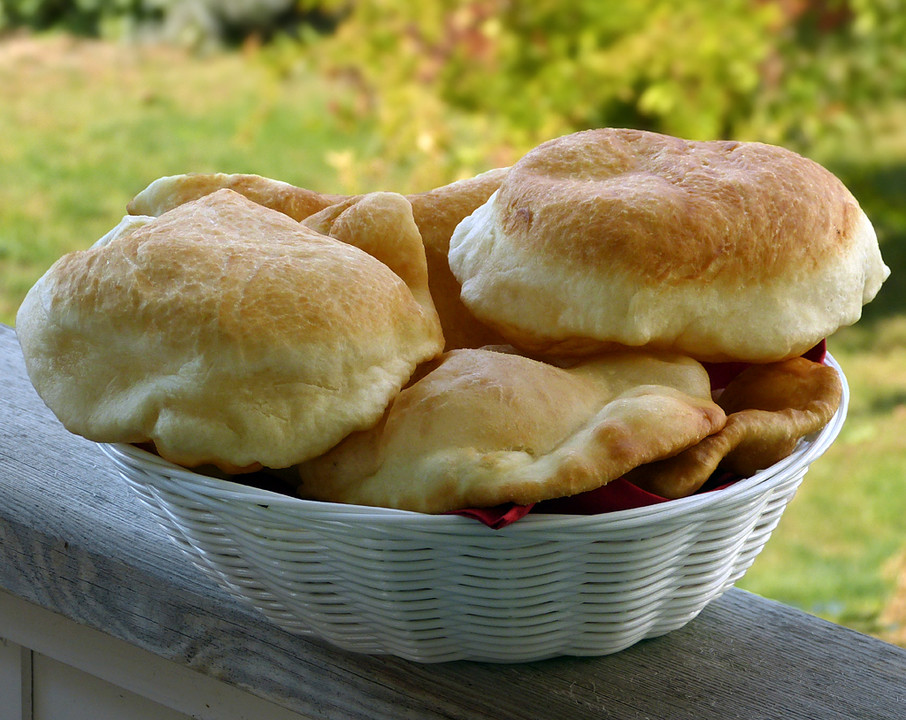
486, 427
721, 250
223, 332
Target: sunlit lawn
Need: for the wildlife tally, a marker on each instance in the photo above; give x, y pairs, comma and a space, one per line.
841, 542
84, 126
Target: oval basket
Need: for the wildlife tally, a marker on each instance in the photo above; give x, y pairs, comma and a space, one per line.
435, 588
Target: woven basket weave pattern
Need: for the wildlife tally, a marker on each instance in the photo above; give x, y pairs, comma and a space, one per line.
438, 588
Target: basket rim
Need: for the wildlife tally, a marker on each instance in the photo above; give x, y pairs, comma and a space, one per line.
741, 491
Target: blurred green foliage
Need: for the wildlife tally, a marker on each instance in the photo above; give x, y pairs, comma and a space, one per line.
194, 23
84, 17
473, 83
505, 76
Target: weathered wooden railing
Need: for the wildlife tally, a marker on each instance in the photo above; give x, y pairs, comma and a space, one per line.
101, 615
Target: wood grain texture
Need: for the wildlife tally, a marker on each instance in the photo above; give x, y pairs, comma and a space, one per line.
75, 541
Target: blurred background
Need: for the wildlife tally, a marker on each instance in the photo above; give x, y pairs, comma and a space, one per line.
100, 97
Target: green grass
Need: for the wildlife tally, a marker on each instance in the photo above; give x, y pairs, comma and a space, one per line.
84, 126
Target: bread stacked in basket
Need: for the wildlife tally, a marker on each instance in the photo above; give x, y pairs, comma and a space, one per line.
531, 333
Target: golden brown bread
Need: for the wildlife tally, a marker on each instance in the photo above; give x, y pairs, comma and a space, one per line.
721, 250
170, 191
486, 427
769, 409
437, 212
277, 342
383, 226
223, 332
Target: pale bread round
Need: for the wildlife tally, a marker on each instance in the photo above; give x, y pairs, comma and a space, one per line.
486, 427
223, 332
170, 191
770, 407
436, 212
721, 250
381, 224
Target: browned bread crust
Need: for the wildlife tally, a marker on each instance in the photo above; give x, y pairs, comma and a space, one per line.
722, 250
225, 333
487, 427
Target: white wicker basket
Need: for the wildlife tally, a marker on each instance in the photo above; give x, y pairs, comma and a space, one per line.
437, 588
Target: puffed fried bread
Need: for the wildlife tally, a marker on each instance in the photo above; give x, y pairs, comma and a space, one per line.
436, 212
170, 191
223, 332
769, 408
720, 250
484, 427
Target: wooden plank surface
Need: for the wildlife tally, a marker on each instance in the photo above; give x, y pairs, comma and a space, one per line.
75, 541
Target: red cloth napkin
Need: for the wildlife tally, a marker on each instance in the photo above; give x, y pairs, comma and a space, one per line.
619, 494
